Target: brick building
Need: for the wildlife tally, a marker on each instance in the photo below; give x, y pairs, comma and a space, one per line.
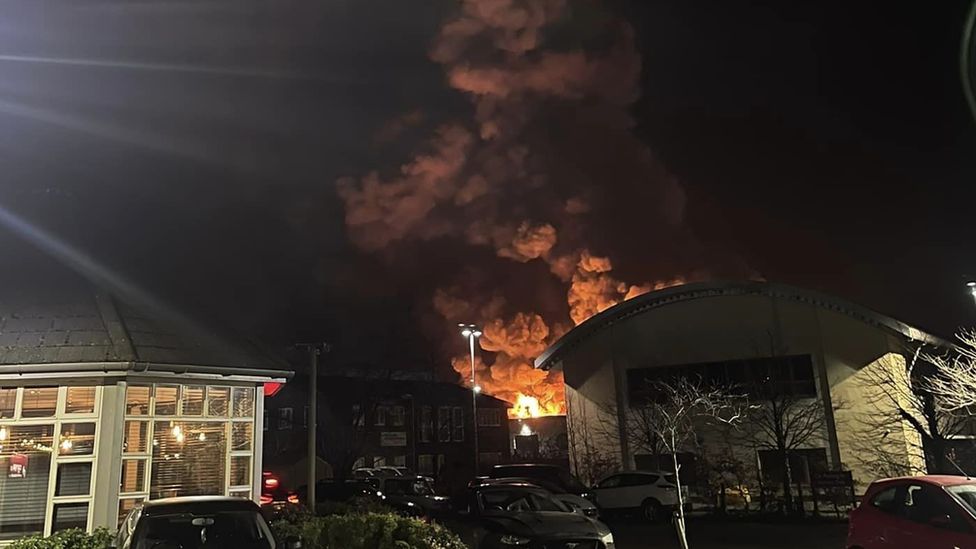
375, 420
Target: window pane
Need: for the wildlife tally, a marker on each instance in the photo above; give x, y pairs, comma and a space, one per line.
40, 402
167, 396
217, 400
241, 435
188, 459
69, 515
8, 399
133, 476
240, 470
26, 459
80, 400
77, 439
137, 400
74, 479
243, 402
193, 401
136, 437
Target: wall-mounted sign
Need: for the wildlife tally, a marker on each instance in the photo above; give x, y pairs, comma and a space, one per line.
393, 438
18, 466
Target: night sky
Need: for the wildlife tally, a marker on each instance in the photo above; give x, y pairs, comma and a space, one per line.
193, 148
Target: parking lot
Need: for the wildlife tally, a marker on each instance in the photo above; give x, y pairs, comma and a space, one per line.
712, 534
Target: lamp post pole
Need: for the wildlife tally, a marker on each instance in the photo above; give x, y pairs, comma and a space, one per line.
471, 332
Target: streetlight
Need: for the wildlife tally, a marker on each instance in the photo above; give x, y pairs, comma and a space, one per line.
972, 288
471, 332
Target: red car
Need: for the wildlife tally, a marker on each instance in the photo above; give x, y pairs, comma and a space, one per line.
929, 512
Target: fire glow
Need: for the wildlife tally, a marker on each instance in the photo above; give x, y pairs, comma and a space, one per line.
502, 180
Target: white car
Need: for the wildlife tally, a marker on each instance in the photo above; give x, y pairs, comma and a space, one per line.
653, 493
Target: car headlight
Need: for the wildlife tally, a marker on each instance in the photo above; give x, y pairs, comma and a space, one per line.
509, 539
607, 538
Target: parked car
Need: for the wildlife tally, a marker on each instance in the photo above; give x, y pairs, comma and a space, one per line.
933, 511
197, 522
653, 493
551, 474
573, 501
414, 494
365, 472
523, 515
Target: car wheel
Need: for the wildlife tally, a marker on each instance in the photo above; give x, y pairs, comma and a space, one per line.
651, 510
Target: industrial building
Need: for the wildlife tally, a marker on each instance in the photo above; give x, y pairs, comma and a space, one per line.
823, 350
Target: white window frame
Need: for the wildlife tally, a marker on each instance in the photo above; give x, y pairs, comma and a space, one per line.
229, 419
57, 420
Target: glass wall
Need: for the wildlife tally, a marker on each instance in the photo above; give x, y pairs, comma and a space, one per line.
186, 440
47, 454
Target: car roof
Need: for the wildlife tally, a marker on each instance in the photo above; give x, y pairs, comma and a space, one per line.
190, 504
935, 480
508, 486
534, 465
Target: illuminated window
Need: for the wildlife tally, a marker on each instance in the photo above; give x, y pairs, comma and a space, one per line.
167, 400
193, 399
79, 400
243, 402
136, 437
187, 459
39, 402
137, 400
218, 401
8, 401
26, 455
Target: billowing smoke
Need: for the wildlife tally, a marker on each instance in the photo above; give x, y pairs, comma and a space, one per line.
546, 170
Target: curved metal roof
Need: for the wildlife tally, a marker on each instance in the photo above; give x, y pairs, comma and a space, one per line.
704, 290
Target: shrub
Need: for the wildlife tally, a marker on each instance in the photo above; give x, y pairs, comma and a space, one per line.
368, 531
73, 538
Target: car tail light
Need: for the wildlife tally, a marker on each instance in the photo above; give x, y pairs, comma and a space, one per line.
293, 498
271, 483
265, 500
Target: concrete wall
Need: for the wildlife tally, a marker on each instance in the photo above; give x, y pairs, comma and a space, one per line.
720, 328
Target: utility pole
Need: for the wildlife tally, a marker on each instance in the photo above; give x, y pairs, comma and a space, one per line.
314, 350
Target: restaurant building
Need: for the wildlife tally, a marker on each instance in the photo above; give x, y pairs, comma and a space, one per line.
103, 406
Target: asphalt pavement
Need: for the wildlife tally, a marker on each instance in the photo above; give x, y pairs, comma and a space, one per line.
714, 534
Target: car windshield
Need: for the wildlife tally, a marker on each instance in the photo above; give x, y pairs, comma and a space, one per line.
244, 529
407, 487
519, 501
965, 494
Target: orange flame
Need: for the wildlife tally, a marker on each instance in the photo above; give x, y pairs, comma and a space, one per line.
528, 406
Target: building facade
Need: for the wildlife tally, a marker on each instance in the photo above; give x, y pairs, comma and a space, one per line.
103, 406
368, 421
825, 353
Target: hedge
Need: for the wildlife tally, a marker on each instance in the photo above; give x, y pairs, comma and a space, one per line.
74, 538
367, 531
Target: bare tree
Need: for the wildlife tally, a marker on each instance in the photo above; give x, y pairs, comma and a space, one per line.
784, 422
899, 394
674, 411
954, 382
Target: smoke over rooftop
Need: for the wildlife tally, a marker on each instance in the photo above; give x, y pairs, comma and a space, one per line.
546, 171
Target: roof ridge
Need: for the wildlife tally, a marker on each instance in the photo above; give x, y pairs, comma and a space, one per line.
118, 332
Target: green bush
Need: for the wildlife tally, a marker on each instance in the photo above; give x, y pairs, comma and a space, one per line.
368, 531
73, 538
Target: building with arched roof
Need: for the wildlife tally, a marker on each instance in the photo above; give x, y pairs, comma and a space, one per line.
826, 352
